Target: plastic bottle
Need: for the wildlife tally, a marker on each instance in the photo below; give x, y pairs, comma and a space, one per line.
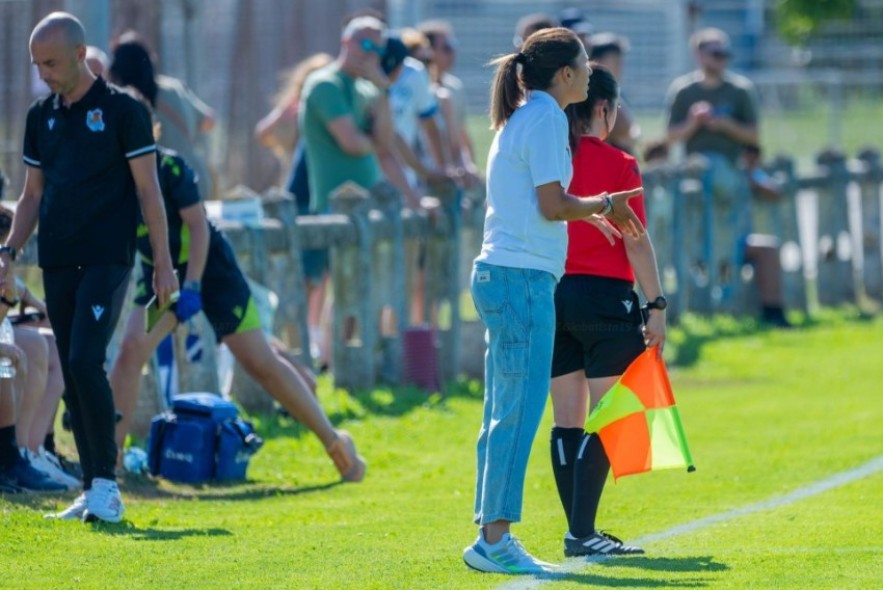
135, 460
7, 336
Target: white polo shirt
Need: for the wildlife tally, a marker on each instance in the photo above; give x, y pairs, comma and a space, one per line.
530, 151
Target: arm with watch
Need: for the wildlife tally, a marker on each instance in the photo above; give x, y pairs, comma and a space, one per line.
27, 211
642, 257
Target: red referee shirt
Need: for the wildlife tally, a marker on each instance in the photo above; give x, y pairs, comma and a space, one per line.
600, 167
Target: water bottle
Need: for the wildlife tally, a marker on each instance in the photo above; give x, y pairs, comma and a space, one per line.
135, 460
7, 336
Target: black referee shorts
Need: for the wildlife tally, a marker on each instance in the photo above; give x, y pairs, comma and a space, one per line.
598, 326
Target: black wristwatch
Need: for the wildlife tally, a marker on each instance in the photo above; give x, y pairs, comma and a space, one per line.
658, 303
9, 250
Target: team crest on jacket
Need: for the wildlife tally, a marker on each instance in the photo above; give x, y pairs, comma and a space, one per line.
95, 120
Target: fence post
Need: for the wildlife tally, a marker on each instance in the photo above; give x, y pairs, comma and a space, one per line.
659, 201
443, 284
786, 225
355, 327
835, 280
288, 274
248, 244
389, 283
690, 240
872, 193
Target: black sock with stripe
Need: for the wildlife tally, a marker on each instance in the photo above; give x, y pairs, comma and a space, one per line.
564, 445
590, 474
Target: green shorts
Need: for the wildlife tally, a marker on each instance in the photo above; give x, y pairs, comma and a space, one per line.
226, 300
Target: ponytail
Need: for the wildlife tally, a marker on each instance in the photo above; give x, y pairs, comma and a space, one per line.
506, 92
541, 56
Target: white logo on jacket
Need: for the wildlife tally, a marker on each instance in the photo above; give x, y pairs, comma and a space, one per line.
97, 311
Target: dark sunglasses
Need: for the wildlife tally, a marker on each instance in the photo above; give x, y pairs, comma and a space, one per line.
369, 46
720, 54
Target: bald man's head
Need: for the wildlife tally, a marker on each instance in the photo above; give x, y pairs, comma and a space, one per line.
64, 24
58, 49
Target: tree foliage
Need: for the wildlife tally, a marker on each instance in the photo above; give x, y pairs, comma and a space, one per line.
797, 20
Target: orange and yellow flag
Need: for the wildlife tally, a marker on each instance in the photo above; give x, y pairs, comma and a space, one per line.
638, 421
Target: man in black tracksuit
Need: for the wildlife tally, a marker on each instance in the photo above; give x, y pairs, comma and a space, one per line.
90, 159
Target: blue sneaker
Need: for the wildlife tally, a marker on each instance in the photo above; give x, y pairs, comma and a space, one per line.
24, 476
507, 556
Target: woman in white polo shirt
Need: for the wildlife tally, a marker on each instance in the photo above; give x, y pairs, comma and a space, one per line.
514, 279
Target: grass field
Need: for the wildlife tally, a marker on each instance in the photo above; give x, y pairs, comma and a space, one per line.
766, 412
800, 133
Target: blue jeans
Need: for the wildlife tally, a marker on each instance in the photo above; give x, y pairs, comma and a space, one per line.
517, 305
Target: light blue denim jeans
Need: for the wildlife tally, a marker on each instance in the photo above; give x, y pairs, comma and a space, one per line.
517, 306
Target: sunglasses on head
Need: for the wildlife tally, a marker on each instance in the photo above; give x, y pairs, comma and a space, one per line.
369, 46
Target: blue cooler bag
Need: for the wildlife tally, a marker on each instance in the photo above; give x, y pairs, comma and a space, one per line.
201, 439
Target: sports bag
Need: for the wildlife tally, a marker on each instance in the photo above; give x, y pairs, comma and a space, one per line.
202, 438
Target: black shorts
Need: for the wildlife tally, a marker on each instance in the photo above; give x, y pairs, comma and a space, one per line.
226, 299
597, 327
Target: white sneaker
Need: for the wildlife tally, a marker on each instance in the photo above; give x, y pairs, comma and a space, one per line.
73, 512
507, 556
48, 464
103, 502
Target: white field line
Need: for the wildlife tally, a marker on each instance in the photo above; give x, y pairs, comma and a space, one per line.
574, 565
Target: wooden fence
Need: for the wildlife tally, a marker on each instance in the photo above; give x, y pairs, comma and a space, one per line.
828, 224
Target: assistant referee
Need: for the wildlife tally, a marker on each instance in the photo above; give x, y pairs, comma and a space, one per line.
90, 157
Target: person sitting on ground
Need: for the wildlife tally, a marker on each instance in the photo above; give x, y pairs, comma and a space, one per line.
17, 471
213, 283
39, 380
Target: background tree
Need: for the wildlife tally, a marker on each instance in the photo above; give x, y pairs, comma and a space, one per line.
797, 20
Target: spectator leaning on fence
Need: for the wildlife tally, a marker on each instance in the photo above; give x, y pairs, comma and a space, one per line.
453, 124
599, 326
214, 284
515, 275
714, 112
278, 131
90, 160
185, 118
267, 130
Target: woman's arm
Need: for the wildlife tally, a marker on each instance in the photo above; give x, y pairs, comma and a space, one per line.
556, 205
195, 219
643, 260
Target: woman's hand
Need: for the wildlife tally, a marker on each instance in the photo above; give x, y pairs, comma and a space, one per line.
622, 214
605, 227
654, 330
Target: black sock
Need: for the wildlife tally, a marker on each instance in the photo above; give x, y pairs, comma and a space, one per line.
565, 444
9, 454
49, 442
590, 475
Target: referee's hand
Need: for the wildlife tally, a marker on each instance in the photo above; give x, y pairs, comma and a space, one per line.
165, 284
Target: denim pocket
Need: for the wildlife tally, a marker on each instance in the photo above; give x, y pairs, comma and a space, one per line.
513, 359
490, 291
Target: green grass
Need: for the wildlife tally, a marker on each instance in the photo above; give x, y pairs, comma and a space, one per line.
800, 133
766, 412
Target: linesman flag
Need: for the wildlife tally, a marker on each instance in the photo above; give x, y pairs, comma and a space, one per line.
638, 421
